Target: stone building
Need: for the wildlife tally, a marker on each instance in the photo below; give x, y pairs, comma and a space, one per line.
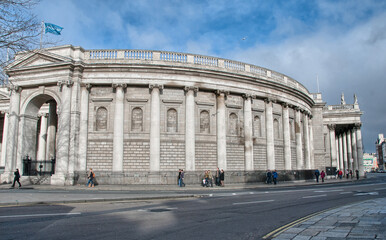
136, 117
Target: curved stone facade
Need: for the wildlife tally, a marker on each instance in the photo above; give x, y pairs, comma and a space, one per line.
139, 116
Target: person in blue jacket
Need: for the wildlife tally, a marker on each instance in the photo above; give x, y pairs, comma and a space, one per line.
274, 176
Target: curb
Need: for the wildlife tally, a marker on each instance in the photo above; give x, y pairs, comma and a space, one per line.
18, 204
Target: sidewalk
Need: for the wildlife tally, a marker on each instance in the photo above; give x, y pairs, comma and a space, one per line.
364, 220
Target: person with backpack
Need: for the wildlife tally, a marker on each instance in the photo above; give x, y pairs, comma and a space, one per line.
16, 178
91, 177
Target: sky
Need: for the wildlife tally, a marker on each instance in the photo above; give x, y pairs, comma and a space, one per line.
340, 43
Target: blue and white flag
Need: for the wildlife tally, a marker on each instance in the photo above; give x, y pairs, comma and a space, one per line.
52, 28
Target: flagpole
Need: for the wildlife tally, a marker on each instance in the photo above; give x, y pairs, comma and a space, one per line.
41, 35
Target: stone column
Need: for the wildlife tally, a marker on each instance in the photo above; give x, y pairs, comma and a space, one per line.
269, 134
63, 138
42, 138
287, 137
221, 131
311, 132
349, 150
5, 137
190, 132
359, 149
118, 127
341, 159
51, 130
307, 156
354, 149
83, 128
248, 133
155, 137
344, 144
13, 133
331, 128
298, 136
337, 152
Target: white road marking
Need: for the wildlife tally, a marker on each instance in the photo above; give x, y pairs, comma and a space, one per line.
334, 190
367, 193
233, 194
40, 215
345, 192
263, 201
314, 196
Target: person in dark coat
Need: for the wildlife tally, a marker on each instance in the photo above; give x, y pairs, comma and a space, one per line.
269, 177
317, 175
16, 178
222, 177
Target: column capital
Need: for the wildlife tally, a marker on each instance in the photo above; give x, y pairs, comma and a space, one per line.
222, 92
247, 96
88, 86
269, 100
331, 126
119, 85
14, 88
191, 88
285, 105
159, 86
5, 111
357, 125
67, 82
42, 114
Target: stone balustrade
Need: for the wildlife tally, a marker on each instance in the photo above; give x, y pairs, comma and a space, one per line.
230, 65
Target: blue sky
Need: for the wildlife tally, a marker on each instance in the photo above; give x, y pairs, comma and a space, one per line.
341, 42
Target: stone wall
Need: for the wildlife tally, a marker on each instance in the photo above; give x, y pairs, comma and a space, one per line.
100, 155
136, 156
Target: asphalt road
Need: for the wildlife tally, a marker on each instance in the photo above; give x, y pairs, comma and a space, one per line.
237, 214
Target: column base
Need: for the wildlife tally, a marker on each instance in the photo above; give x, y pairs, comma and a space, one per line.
6, 177
61, 179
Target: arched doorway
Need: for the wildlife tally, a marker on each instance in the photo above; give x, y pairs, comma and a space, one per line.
37, 148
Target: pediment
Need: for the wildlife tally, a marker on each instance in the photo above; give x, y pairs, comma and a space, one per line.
36, 59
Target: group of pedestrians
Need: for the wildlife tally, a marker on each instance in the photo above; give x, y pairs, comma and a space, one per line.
271, 177
338, 174
208, 178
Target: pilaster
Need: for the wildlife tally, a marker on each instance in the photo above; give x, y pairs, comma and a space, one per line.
248, 133
270, 135
190, 137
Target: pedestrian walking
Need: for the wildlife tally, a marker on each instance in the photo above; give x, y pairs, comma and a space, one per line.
274, 176
91, 177
347, 173
357, 174
179, 177
317, 173
322, 175
222, 178
182, 176
16, 178
269, 177
350, 173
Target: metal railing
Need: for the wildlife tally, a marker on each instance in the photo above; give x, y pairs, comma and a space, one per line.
38, 167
